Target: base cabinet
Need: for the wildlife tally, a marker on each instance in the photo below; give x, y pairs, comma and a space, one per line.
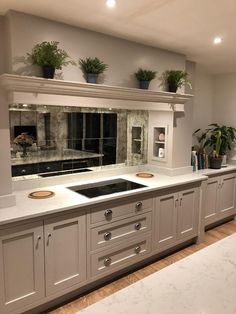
175, 217
220, 198
65, 247
165, 220
21, 266
43, 260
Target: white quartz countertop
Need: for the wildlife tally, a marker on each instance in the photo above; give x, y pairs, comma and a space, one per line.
66, 199
203, 283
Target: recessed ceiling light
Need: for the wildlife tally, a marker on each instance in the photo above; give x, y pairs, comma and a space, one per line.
217, 40
111, 3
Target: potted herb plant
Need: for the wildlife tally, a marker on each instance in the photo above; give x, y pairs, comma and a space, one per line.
91, 68
145, 77
49, 57
220, 139
175, 79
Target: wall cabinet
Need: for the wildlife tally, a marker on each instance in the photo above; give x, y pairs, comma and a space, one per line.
21, 266
176, 217
220, 198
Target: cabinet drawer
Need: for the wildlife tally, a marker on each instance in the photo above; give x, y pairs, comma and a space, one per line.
108, 214
112, 233
120, 256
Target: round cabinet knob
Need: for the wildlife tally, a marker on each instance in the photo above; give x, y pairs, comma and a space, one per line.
23, 171
108, 213
139, 205
138, 226
48, 168
137, 250
107, 261
107, 236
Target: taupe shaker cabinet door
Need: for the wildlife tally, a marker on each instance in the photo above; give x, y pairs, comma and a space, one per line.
65, 252
175, 217
21, 266
220, 198
188, 205
227, 195
165, 220
212, 199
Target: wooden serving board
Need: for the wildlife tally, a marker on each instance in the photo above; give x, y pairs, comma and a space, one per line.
41, 194
144, 175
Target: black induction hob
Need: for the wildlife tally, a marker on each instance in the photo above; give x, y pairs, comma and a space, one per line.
106, 187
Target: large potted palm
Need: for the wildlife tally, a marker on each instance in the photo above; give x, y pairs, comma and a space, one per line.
219, 139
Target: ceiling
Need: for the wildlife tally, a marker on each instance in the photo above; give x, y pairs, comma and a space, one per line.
184, 26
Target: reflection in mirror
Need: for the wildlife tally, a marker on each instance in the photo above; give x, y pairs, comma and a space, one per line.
55, 140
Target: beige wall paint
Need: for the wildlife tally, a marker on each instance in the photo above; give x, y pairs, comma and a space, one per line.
1, 44
203, 99
224, 102
224, 99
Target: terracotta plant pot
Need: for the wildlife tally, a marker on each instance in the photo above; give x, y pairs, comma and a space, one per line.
215, 163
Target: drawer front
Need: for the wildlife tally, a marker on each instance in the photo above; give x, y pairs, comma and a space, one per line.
124, 229
108, 215
121, 256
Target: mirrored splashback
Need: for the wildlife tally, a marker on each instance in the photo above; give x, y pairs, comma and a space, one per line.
55, 140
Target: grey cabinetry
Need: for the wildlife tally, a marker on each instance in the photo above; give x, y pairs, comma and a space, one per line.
188, 210
65, 252
220, 198
118, 236
175, 218
166, 220
21, 266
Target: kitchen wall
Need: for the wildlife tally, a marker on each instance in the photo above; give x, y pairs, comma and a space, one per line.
22, 31
203, 99
124, 57
224, 102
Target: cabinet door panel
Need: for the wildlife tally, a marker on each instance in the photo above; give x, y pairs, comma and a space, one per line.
165, 220
21, 266
212, 200
188, 213
227, 195
65, 252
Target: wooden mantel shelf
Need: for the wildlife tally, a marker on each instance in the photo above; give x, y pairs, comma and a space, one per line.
36, 85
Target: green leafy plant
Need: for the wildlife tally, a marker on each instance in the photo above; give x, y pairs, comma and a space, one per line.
145, 75
48, 54
219, 138
92, 65
175, 79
